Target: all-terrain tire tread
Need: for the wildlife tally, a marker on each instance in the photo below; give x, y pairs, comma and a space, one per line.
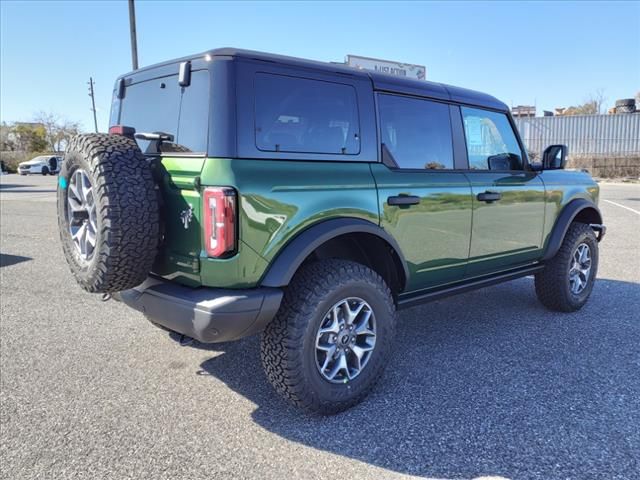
128, 212
281, 345
549, 282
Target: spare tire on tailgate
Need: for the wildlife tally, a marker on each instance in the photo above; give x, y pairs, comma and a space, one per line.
108, 213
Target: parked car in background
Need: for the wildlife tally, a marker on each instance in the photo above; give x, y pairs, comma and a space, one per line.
43, 165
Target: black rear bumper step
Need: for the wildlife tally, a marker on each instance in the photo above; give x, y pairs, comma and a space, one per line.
209, 315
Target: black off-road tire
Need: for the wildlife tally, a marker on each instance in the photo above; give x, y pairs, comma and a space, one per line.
626, 109
288, 343
625, 101
128, 221
45, 171
552, 284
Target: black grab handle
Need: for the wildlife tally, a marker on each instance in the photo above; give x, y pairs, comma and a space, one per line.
489, 197
403, 200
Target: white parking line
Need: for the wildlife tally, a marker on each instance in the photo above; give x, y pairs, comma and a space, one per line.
623, 206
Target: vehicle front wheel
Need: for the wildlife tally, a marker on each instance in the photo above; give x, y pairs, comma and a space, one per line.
566, 282
332, 336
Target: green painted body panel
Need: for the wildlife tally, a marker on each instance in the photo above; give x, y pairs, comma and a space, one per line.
434, 235
508, 232
277, 201
561, 187
180, 255
449, 236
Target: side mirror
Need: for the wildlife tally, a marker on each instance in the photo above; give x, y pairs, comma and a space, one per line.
499, 162
555, 157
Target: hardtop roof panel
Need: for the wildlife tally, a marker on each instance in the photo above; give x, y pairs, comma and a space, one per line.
379, 81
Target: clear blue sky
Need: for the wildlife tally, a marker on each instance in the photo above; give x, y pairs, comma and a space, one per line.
550, 53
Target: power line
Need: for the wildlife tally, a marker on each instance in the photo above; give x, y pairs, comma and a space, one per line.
93, 103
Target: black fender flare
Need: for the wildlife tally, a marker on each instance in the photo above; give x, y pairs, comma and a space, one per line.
567, 215
291, 256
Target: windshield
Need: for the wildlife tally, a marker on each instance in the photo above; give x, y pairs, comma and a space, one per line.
41, 158
161, 105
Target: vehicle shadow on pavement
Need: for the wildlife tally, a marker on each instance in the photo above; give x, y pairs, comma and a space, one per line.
488, 383
13, 185
5, 189
7, 260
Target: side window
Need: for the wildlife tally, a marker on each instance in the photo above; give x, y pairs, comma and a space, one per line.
491, 142
417, 133
306, 116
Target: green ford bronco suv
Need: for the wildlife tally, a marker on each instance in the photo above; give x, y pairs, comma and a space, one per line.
240, 192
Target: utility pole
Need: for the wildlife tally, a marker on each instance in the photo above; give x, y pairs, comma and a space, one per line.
132, 29
93, 103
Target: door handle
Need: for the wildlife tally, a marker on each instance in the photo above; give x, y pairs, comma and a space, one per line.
403, 200
489, 197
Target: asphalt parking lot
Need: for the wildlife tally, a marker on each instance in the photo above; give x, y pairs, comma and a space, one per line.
488, 383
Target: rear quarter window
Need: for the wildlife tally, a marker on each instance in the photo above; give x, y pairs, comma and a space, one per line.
295, 114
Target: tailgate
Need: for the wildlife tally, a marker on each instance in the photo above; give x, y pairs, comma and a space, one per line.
179, 257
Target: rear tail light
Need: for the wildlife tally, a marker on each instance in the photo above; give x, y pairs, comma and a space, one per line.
219, 212
122, 130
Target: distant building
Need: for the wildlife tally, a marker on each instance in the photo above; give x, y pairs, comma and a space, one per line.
523, 111
29, 124
388, 67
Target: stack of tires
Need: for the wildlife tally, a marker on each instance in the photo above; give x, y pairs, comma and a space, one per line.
626, 105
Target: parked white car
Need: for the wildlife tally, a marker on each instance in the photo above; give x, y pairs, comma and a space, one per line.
43, 165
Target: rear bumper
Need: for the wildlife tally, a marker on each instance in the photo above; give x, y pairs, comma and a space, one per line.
210, 315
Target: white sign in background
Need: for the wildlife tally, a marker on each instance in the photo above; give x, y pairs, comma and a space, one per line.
389, 67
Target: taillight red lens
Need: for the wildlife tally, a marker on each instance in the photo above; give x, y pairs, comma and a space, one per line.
122, 130
219, 212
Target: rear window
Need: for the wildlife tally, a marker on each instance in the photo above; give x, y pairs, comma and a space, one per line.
306, 116
161, 105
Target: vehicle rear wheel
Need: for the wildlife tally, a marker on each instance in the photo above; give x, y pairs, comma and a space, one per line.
332, 336
567, 281
107, 212
45, 171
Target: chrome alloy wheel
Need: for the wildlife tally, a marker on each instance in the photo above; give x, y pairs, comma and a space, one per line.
81, 212
580, 269
345, 340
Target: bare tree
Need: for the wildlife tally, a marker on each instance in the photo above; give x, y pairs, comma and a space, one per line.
592, 105
49, 121
64, 131
596, 100
58, 130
